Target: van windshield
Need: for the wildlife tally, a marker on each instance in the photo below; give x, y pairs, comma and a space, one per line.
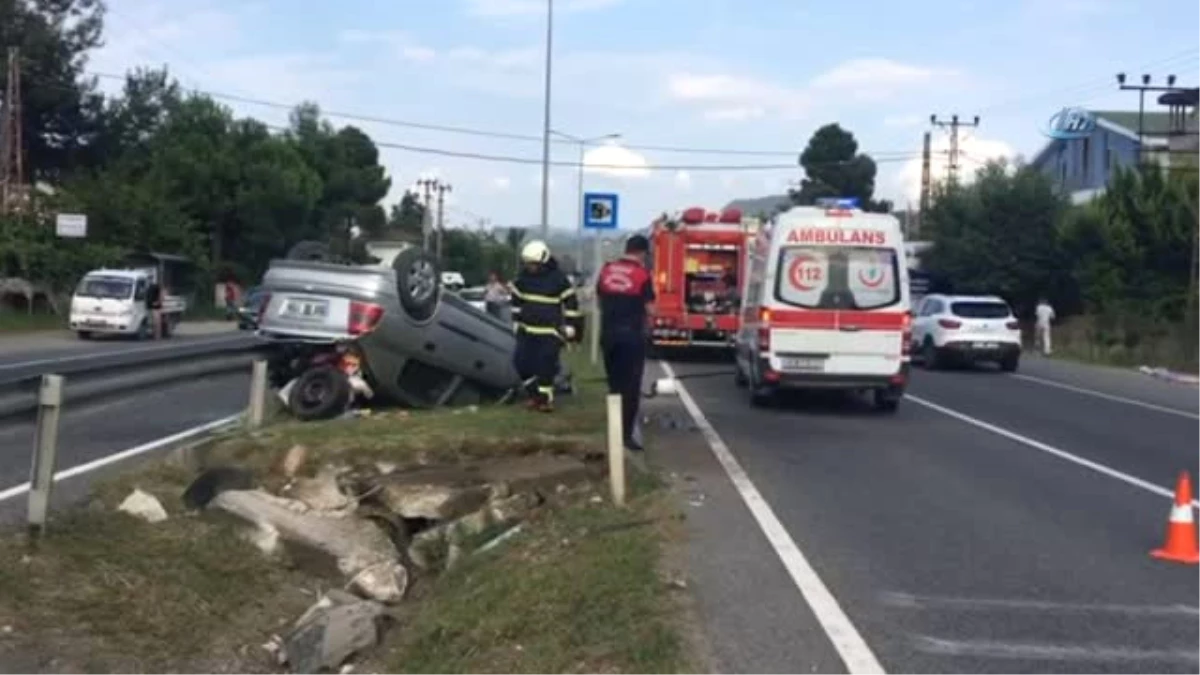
837, 277
107, 288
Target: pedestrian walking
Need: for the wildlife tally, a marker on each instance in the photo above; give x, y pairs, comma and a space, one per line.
495, 295
1044, 315
625, 293
545, 316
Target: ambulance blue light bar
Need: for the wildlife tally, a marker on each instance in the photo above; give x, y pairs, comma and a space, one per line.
838, 203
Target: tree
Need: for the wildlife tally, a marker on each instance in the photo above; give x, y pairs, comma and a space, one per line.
1000, 235
59, 106
406, 219
833, 167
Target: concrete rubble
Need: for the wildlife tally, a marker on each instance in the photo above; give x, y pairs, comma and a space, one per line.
334, 629
144, 505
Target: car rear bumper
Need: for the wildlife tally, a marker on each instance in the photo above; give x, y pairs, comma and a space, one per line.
975, 350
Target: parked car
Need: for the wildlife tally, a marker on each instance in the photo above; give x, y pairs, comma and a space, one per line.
966, 329
415, 343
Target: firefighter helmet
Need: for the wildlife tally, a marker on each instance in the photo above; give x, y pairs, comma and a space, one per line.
536, 251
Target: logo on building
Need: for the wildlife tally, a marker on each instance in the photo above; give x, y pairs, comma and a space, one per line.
1070, 124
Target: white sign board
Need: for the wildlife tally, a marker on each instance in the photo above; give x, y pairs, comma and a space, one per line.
71, 225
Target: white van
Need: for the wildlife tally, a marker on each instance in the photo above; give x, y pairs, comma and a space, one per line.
113, 302
826, 305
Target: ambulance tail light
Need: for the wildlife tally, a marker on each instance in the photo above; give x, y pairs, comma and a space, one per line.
764, 330
949, 324
906, 336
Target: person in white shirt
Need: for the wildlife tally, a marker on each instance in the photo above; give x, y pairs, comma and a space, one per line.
1045, 315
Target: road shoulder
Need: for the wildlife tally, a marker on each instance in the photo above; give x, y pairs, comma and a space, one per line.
751, 613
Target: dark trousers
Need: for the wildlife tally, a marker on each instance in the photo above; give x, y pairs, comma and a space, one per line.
624, 363
536, 359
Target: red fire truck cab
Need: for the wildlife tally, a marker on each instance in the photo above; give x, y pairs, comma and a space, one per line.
697, 260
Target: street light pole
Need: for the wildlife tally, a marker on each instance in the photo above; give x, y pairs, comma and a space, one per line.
546, 122
582, 143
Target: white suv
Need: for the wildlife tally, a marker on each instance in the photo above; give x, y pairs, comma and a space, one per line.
966, 329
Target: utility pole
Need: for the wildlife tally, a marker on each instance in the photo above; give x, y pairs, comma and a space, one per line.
442, 189
926, 152
12, 169
954, 125
427, 185
1141, 89
546, 121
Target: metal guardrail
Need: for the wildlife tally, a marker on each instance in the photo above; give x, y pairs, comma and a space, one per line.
91, 377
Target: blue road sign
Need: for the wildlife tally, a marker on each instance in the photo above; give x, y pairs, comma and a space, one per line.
600, 211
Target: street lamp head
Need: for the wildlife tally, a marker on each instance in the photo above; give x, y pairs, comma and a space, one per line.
977, 120
1145, 79
1121, 79
1170, 80
954, 119
933, 119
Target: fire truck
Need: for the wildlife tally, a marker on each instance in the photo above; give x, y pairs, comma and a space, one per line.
697, 258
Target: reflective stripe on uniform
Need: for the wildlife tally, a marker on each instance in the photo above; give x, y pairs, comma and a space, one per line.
537, 330
534, 297
572, 313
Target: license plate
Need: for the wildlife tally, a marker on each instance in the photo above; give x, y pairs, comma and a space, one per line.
802, 365
95, 322
315, 310
986, 345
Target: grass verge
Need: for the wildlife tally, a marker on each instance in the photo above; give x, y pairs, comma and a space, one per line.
21, 322
579, 589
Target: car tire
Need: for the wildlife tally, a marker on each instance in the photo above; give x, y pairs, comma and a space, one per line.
313, 251
418, 282
84, 334
931, 358
887, 400
1009, 364
319, 394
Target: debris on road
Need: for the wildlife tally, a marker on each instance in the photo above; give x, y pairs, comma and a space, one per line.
143, 505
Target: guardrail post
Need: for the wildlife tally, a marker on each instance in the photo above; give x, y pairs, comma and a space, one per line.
41, 479
616, 449
257, 411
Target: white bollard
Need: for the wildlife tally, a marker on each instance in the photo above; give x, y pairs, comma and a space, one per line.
45, 450
257, 411
616, 449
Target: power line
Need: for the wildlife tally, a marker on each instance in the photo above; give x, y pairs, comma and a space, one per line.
468, 131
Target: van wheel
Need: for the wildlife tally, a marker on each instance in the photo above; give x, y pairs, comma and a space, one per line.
417, 282
887, 400
319, 394
313, 251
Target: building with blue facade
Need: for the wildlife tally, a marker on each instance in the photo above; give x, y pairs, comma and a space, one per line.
1081, 167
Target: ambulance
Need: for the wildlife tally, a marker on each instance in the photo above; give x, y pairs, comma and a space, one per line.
826, 305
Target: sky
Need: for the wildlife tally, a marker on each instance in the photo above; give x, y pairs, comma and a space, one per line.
756, 77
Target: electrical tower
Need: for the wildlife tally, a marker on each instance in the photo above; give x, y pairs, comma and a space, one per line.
442, 189
954, 125
12, 169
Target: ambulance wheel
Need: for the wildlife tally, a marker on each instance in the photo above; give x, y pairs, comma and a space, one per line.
887, 400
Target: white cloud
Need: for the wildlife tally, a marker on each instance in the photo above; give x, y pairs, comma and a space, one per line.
734, 98
400, 43
512, 8
502, 183
905, 184
904, 121
729, 181
683, 180
615, 160
508, 59
877, 79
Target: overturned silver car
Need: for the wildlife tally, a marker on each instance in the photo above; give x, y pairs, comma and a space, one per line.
385, 330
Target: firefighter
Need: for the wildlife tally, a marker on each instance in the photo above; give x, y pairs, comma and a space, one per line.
626, 293
545, 316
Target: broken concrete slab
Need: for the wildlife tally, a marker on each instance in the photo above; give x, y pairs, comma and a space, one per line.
359, 548
321, 492
433, 494
334, 629
144, 505
534, 473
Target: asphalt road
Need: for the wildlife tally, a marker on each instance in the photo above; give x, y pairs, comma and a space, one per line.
38, 348
90, 431
949, 546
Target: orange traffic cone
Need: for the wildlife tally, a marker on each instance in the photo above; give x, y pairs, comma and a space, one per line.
1181, 545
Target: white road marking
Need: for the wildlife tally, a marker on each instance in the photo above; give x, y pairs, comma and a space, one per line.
1048, 449
102, 353
850, 645
1047, 652
918, 602
159, 444
1110, 397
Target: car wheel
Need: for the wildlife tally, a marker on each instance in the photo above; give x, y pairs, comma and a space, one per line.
85, 335
887, 400
319, 394
930, 358
314, 251
1009, 364
417, 282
